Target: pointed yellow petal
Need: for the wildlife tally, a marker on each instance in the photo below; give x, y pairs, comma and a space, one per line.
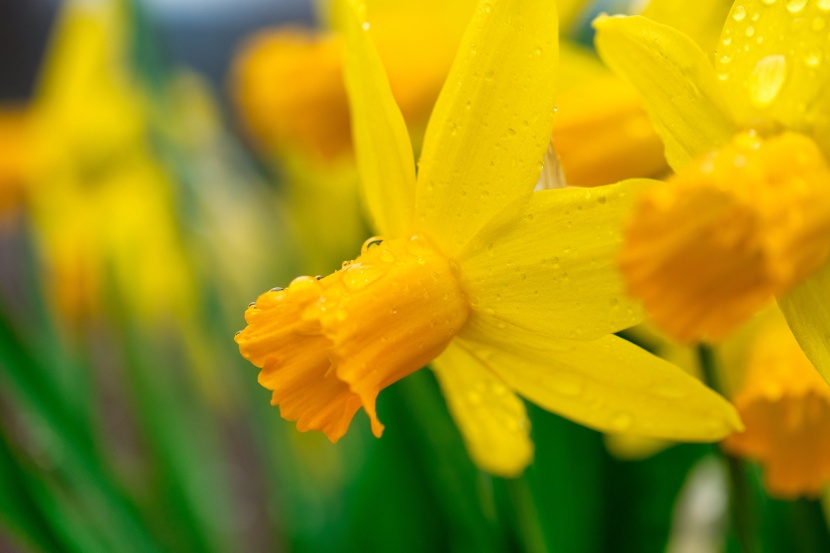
702, 24
678, 84
808, 315
552, 267
491, 125
381, 142
491, 418
773, 57
607, 384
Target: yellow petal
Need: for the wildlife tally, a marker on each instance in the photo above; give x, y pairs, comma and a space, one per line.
381, 141
773, 59
808, 315
551, 268
491, 125
702, 24
678, 84
491, 418
607, 384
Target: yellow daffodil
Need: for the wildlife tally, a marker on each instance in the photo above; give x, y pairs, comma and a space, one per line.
748, 214
102, 207
786, 407
288, 82
505, 290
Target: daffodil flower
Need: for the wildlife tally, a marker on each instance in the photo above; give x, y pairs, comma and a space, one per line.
786, 407
101, 206
747, 216
505, 290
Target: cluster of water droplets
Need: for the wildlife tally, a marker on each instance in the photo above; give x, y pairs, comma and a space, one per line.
747, 39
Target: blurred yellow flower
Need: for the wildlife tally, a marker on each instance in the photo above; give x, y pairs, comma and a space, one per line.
504, 289
102, 207
15, 163
601, 131
785, 405
748, 215
288, 82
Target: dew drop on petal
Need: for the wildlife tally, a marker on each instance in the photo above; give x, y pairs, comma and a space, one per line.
768, 2
474, 397
621, 421
824, 5
739, 13
813, 59
766, 80
795, 6
498, 389
567, 385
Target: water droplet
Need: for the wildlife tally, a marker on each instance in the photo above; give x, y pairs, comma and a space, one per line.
601, 199
725, 59
511, 132
567, 385
538, 51
370, 243
818, 23
795, 6
366, 26
813, 59
727, 40
498, 389
766, 80
824, 5
755, 16
237, 333
276, 289
252, 304
750, 31
739, 13
768, 2
621, 421
670, 391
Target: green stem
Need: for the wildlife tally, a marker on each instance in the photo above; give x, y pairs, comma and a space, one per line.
743, 515
809, 526
526, 515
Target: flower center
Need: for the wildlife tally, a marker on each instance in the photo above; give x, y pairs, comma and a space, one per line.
741, 224
327, 346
